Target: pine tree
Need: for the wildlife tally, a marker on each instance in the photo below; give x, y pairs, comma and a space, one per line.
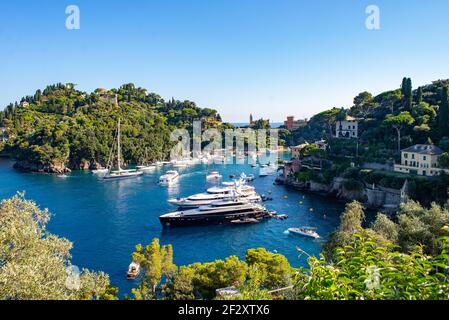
443, 113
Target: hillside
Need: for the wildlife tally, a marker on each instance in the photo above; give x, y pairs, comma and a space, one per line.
422, 115
61, 128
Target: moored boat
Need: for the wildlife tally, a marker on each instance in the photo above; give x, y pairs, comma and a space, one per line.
305, 231
245, 221
214, 175
120, 173
133, 270
169, 178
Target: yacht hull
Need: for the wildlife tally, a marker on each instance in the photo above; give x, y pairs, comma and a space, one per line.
210, 219
123, 176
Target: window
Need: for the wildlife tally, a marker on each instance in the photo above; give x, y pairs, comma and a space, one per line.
413, 156
405, 155
424, 158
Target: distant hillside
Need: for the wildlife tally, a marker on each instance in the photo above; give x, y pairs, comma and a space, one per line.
62, 128
420, 114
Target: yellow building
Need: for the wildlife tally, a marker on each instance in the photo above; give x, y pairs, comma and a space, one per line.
420, 159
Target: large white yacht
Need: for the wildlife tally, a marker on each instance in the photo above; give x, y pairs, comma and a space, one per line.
248, 193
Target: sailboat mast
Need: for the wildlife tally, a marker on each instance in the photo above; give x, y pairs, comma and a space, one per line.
119, 151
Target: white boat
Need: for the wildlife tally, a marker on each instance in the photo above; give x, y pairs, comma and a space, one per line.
243, 193
206, 199
245, 221
133, 270
146, 169
247, 178
214, 175
100, 171
120, 173
169, 178
305, 231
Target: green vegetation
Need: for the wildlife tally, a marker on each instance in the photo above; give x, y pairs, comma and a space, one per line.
261, 271
34, 262
62, 127
406, 259
388, 122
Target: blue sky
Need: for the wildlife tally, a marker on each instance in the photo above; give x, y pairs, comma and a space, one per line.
272, 58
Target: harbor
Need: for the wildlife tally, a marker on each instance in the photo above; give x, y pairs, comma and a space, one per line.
105, 219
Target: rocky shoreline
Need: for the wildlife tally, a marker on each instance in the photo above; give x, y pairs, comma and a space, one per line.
55, 168
372, 197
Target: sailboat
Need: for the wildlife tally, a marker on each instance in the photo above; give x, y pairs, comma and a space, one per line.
120, 173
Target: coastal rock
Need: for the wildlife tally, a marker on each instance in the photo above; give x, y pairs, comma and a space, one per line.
55, 167
95, 165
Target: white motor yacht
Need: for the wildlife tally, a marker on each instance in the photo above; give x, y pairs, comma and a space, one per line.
170, 177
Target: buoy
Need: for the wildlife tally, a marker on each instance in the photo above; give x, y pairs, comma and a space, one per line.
300, 202
312, 209
285, 197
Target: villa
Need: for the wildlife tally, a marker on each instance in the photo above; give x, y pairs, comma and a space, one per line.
420, 159
292, 124
347, 128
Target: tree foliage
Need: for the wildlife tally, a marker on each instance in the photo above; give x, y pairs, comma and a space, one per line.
34, 263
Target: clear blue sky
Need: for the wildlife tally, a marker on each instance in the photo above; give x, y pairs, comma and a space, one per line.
272, 58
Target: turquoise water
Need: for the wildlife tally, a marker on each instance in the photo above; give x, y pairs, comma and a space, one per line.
105, 220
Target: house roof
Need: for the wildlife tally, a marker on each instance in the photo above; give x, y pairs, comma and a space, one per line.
424, 149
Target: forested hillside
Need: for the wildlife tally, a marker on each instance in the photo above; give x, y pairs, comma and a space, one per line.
412, 116
62, 128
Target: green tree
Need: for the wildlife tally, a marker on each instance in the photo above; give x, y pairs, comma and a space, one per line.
157, 262
398, 123
419, 95
407, 93
350, 221
368, 268
34, 263
275, 268
386, 228
443, 113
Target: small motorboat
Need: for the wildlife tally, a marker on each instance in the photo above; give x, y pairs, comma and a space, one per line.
133, 271
263, 174
305, 231
214, 175
282, 216
245, 221
169, 178
266, 198
247, 178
